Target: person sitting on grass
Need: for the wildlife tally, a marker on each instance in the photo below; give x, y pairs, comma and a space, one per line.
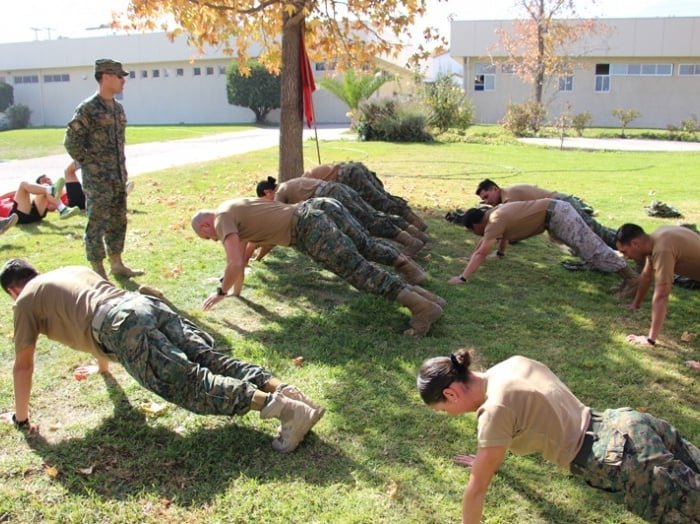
666, 251
33, 200
73, 195
163, 351
523, 407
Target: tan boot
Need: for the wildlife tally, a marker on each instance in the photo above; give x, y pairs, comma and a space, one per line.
119, 269
296, 419
630, 283
411, 244
416, 221
409, 270
430, 296
413, 230
99, 268
295, 393
424, 312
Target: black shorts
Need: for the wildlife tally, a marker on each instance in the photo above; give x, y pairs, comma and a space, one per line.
76, 197
28, 218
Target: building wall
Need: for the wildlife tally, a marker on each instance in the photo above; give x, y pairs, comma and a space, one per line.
165, 99
661, 99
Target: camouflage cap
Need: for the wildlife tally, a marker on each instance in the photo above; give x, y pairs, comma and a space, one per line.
105, 65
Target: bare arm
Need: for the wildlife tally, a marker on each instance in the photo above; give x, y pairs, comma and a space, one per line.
659, 307
484, 467
645, 279
22, 373
234, 273
475, 261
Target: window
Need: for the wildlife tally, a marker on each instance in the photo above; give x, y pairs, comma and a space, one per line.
602, 78
144, 74
222, 70
197, 71
209, 70
155, 73
166, 73
507, 69
132, 74
324, 66
689, 69
566, 83
56, 78
180, 72
642, 69
26, 79
484, 78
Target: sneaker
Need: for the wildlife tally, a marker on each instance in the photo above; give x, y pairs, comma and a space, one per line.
7, 223
57, 188
129, 186
68, 212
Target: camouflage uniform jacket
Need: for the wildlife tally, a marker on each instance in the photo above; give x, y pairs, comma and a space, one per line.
95, 139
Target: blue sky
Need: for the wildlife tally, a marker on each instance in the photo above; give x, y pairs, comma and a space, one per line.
71, 18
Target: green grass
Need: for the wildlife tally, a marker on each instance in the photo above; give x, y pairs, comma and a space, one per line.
379, 455
29, 143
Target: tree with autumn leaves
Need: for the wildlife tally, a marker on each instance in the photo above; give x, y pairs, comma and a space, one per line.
538, 45
350, 33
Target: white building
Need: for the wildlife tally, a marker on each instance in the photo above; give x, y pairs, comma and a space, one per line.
651, 65
168, 84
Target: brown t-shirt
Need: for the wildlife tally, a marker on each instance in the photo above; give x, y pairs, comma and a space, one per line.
257, 221
675, 250
327, 172
516, 220
522, 192
60, 304
530, 410
297, 190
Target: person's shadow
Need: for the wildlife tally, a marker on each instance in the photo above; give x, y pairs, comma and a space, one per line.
126, 456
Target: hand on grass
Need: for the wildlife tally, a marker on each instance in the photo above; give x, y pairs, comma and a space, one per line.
456, 280
212, 300
631, 307
693, 364
464, 460
83, 372
6, 418
638, 340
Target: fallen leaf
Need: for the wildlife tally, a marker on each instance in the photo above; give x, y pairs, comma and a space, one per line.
55, 427
51, 471
298, 361
86, 471
687, 337
392, 490
643, 409
154, 408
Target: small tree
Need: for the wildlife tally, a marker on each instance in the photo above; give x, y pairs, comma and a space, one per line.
18, 116
522, 117
259, 90
625, 116
7, 96
353, 89
580, 121
448, 105
563, 123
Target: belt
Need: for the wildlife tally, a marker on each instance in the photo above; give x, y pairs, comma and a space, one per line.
548, 213
99, 317
589, 437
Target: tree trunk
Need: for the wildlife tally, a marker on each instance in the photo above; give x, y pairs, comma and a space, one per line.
291, 111
541, 30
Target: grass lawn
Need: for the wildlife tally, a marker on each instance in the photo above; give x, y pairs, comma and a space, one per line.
29, 143
379, 455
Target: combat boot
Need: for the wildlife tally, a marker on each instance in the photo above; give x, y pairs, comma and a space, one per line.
416, 220
430, 296
119, 269
296, 420
409, 270
411, 245
423, 312
630, 283
99, 268
295, 393
413, 230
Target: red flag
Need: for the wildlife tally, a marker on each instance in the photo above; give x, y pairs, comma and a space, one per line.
308, 85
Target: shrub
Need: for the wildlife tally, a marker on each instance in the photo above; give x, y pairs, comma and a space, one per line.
259, 91
387, 120
447, 104
7, 96
625, 116
18, 116
580, 121
520, 118
691, 126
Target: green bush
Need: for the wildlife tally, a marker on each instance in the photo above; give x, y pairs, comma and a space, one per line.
260, 91
625, 116
447, 104
581, 121
18, 116
7, 96
388, 121
520, 118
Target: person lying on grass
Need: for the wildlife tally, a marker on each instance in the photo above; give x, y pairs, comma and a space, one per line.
163, 351
523, 407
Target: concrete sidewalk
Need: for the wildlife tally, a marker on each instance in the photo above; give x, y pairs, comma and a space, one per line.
614, 144
155, 156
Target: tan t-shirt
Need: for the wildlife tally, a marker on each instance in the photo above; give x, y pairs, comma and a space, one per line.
257, 221
327, 172
675, 250
516, 220
522, 192
530, 410
60, 304
297, 190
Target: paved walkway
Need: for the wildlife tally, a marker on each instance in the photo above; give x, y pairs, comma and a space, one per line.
155, 156
615, 144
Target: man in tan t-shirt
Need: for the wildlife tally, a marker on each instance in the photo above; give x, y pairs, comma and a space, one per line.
164, 352
520, 220
668, 250
325, 231
489, 192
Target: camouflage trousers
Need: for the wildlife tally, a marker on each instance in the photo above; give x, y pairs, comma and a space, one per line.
567, 226
175, 359
646, 459
105, 202
328, 233
365, 182
606, 234
377, 223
